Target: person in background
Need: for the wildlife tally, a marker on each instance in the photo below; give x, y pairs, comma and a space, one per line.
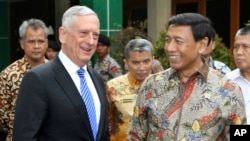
156, 66
241, 75
215, 64
52, 50
123, 90
33, 40
106, 65
189, 100
51, 104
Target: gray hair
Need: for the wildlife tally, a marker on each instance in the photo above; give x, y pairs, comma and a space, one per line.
69, 15
35, 24
139, 45
243, 31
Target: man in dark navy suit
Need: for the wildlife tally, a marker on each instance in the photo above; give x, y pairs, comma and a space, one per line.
49, 106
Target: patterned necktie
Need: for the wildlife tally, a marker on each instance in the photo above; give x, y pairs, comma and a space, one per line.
89, 102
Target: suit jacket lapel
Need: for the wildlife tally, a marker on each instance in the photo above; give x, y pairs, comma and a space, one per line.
102, 97
68, 86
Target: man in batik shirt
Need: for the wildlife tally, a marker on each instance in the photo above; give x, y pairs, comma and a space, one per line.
106, 65
123, 90
33, 40
189, 101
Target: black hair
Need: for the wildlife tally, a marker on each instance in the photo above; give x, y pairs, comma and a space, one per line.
201, 26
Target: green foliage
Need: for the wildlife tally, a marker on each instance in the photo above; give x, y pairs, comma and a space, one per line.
248, 23
222, 53
142, 25
159, 51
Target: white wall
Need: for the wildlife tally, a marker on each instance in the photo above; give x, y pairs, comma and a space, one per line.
158, 13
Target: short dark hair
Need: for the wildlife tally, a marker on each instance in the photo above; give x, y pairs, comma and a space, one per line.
104, 40
201, 26
54, 45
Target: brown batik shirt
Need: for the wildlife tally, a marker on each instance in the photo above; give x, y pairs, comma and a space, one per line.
10, 79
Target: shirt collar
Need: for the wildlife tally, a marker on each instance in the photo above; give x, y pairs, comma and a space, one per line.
202, 71
132, 81
70, 66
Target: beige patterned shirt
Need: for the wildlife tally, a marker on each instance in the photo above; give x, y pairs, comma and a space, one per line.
122, 94
10, 79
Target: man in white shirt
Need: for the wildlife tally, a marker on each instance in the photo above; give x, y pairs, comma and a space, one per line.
241, 74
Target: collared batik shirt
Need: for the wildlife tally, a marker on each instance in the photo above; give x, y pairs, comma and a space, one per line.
202, 109
108, 68
122, 93
245, 87
10, 79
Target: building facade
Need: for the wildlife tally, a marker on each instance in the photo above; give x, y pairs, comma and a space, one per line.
227, 16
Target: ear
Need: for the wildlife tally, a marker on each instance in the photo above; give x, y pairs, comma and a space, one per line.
213, 43
203, 45
47, 43
125, 61
62, 34
21, 43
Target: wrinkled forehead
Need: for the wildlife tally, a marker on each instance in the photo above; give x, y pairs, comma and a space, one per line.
244, 39
139, 55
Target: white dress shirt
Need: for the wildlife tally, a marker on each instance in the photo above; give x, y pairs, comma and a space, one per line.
72, 69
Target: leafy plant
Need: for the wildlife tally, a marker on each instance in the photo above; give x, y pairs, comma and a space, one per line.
222, 53
159, 50
248, 23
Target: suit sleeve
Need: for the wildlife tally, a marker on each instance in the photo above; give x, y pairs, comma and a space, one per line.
31, 108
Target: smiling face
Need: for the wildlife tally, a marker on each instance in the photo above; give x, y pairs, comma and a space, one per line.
181, 48
79, 41
241, 52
